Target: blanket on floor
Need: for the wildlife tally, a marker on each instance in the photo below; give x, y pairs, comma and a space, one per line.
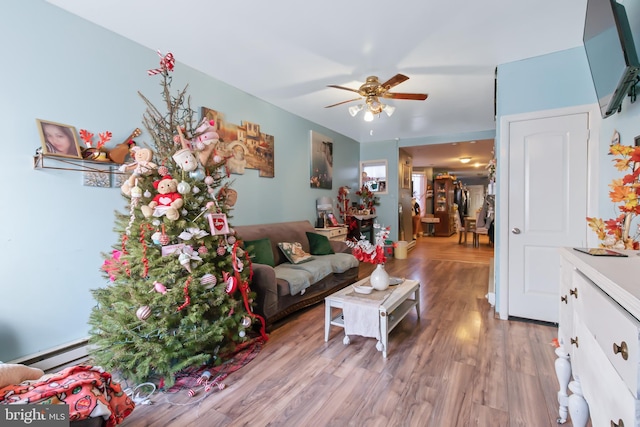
88, 390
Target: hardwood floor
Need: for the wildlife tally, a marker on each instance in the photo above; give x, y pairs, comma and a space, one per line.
458, 365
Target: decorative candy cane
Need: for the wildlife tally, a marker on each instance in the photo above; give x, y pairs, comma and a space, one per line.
167, 63
187, 298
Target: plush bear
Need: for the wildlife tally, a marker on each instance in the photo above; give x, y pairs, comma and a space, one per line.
14, 374
141, 166
167, 202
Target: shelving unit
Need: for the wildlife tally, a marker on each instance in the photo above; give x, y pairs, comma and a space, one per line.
43, 161
443, 206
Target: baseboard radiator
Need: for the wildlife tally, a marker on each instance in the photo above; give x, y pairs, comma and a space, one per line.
57, 358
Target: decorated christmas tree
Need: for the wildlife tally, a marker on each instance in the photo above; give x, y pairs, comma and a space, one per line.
178, 291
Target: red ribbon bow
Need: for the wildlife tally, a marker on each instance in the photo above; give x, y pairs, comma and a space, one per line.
166, 64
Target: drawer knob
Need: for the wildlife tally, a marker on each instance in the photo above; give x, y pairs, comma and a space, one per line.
620, 423
622, 349
574, 292
564, 299
575, 341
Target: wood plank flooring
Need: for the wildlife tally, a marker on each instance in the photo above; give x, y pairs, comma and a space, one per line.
458, 365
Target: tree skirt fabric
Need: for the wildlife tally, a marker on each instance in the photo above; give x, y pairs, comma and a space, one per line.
88, 390
212, 377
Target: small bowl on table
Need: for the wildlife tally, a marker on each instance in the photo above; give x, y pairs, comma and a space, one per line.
363, 289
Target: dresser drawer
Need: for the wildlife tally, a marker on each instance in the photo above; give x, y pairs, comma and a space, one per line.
608, 397
611, 326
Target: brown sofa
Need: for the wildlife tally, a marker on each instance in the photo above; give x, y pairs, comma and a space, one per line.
277, 295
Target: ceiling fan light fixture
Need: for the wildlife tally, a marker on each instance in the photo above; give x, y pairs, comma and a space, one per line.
368, 116
389, 109
354, 110
465, 160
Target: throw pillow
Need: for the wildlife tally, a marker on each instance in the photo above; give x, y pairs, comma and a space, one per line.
319, 244
294, 252
260, 251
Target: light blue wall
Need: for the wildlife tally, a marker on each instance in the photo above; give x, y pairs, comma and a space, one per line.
558, 80
59, 67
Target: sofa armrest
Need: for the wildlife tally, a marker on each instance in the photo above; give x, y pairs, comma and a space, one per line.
265, 285
339, 246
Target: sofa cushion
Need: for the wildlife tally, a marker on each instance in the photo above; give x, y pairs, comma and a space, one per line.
260, 251
294, 252
319, 244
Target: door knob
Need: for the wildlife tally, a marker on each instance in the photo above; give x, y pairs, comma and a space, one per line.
515, 230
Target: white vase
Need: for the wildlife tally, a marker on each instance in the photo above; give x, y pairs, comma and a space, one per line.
379, 278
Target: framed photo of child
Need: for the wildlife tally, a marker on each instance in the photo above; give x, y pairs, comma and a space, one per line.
331, 219
59, 139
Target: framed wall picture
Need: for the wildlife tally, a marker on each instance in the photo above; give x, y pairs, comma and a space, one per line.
59, 139
321, 175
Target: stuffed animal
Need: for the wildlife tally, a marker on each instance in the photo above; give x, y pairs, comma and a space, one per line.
141, 166
11, 373
167, 202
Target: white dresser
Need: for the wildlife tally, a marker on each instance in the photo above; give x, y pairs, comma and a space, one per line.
598, 364
334, 233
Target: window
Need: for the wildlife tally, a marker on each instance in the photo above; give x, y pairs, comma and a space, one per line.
373, 174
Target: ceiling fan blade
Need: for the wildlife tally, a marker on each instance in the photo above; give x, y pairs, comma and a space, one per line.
414, 96
343, 88
343, 102
394, 81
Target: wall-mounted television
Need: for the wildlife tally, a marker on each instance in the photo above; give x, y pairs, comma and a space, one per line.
611, 51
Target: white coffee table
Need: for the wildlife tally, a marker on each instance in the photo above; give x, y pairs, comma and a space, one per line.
392, 309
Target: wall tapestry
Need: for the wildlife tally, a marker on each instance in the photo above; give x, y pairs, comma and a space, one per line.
321, 161
244, 146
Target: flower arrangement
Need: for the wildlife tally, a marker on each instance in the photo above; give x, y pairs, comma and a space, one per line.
369, 200
614, 232
365, 251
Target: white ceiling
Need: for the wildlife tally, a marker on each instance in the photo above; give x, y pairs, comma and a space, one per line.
286, 52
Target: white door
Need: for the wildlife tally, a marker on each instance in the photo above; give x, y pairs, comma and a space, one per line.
547, 208
476, 198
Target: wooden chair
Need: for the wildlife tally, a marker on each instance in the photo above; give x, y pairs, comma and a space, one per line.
469, 227
479, 231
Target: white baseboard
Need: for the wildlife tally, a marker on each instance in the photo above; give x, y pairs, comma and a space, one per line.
57, 358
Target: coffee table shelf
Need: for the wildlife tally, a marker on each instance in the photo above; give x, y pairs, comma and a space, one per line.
391, 311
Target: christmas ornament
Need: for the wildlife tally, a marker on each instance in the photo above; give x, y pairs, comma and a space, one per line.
208, 180
221, 250
184, 187
136, 192
204, 377
147, 194
246, 321
209, 280
164, 239
218, 223
184, 158
232, 283
159, 287
195, 190
242, 334
202, 250
155, 237
163, 170
191, 392
167, 63
185, 261
231, 240
143, 312
197, 174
